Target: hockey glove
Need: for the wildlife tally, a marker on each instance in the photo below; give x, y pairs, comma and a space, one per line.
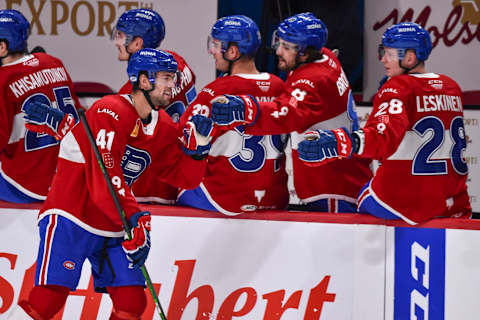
42, 118
197, 135
322, 146
233, 111
138, 247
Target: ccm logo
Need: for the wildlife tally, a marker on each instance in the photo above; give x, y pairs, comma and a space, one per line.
69, 265
417, 298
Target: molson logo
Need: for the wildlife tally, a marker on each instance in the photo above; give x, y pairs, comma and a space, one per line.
84, 17
457, 27
237, 303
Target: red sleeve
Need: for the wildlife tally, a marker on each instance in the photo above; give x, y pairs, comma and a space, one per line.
110, 131
388, 122
201, 105
302, 105
176, 168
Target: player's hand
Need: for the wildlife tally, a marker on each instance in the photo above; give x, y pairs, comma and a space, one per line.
138, 247
45, 119
197, 135
322, 146
233, 111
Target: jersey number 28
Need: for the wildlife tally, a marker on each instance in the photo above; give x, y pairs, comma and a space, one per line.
423, 164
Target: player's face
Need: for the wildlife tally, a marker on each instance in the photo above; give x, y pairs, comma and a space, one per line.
389, 58
164, 83
214, 48
287, 55
119, 40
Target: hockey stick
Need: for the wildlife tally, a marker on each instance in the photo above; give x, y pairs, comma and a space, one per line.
126, 227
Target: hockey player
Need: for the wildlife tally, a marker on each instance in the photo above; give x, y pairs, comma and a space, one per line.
28, 159
415, 129
79, 220
318, 96
144, 28
244, 172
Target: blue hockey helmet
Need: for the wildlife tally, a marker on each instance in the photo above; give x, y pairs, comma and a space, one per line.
239, 29
150, 61
408, 35
144, 23
303, 30
15, 29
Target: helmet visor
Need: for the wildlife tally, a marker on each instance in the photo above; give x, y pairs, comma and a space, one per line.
171, 79
213, 45
390, 54
118, 37
277, 42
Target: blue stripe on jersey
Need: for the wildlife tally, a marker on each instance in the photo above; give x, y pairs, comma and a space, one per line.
191, 94
195, 198
11, 194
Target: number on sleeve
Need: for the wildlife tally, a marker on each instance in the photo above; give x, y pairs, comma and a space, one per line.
299, 94
201, 109
395, 106
105, 139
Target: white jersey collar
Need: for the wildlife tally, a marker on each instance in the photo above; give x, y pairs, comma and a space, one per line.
253, 76
21, 60
424, 75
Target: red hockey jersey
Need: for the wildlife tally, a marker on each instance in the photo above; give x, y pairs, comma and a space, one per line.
416, 130
28, 159
79, 191
318, 96
148, 187
244, 172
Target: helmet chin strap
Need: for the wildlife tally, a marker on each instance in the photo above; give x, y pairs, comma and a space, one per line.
1, 63
407, 69
298, 63
146, 93
230, 62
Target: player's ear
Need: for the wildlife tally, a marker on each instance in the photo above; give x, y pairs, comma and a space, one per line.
143, 82
410, 58
233, 52
136, 44
3, 48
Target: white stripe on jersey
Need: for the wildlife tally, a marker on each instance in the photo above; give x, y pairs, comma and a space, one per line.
339, 121
329, 196
412, 142
18, 128
81, 224
231, 142
259, 76
70, 150
19, 187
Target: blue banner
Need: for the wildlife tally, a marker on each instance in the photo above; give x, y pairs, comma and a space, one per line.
419, 292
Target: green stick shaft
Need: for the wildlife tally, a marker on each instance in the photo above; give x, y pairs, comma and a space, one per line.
126, 227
